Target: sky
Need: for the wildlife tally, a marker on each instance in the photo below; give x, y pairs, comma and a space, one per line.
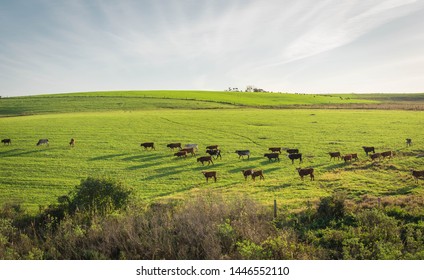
298, 46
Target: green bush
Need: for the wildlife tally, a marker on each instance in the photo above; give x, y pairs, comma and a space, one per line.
99, 195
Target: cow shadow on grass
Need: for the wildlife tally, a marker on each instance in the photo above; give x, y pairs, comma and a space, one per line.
106, 157
278, 188
144, 157
402, 191
10, 152
141, 166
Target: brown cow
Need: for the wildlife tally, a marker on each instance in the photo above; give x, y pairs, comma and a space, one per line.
247, 173
204, 159
334, 155
274, 156
181, 154
212, 147
275, 149
375, 156
347, 158
148, 145
72, 143
189, 151
174, 145
417, 174
387, 154
209, 174
305, 172
354, 156
258, 173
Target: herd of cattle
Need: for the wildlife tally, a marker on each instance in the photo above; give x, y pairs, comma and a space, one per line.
275, 152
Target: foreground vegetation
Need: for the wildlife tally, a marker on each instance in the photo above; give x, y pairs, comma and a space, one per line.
98, 221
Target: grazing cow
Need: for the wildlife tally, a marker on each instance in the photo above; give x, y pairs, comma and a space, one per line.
6, 141
43, 141
295, 156
368, 149
417, 174
243, 153
148, 145
292, 151
347, 158
375, 156
181, 154
305, 172
258, 173
72, 142
247, 173
212, 147
354, 156
387, 154
209, 174
334, 155
274, 156
194, 146
408, 142
216, 153
204, 159
275, 149
174, 145
189, 151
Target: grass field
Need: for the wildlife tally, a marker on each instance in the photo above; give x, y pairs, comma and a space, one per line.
108, 144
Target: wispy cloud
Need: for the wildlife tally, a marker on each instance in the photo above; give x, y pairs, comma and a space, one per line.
98, 45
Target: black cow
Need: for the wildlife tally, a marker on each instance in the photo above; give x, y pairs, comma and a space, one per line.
243, 153
368, 149
174, 145
274, 156
72, 142
216, 153
6, 141
295, 156
148, 145
408, 142
417, 174
292, 151
43, 141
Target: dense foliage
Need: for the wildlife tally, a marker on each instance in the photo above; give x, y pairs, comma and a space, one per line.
208, 227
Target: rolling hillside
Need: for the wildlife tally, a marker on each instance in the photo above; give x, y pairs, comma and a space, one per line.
109, 127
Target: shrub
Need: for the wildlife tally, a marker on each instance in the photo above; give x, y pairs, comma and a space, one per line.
100, 196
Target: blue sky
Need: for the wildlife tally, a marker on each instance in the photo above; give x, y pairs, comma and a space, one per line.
312, 46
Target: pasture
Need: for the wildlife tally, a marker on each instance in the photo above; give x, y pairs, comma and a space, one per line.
108, 144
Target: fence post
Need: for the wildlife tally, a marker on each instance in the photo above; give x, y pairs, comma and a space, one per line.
275, 208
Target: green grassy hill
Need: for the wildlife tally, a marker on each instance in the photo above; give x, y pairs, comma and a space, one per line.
109, 127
